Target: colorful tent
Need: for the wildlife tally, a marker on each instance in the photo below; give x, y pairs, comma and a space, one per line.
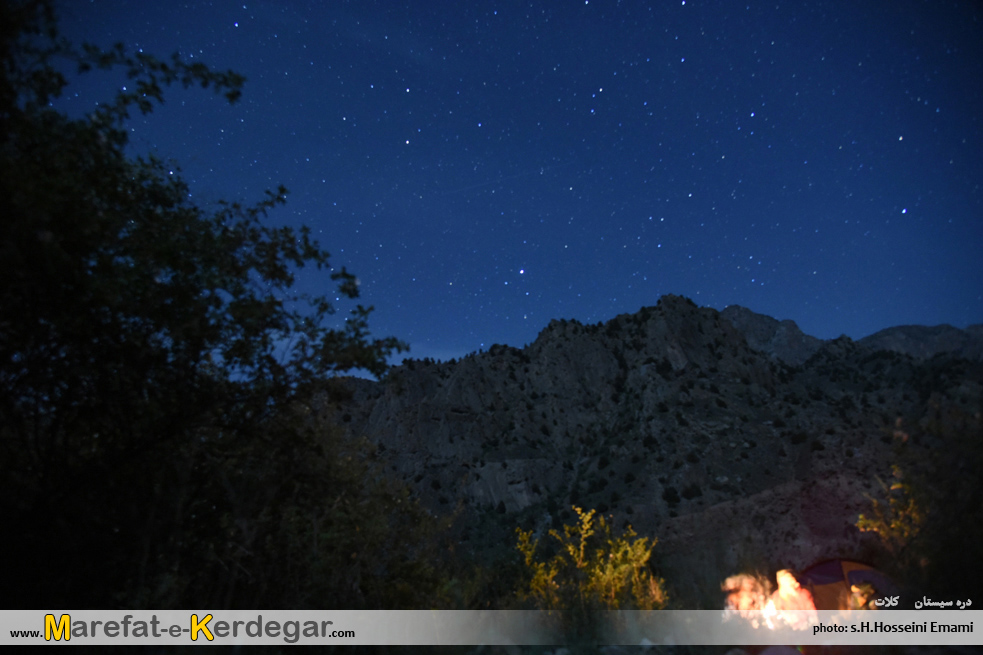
844, 584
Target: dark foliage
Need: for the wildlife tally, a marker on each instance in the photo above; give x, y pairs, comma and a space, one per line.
162, 387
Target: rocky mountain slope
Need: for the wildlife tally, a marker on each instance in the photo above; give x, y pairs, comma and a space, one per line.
734, 439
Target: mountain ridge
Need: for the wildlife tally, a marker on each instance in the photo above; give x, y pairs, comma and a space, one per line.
725, 433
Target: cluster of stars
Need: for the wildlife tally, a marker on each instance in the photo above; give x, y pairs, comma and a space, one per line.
619, 152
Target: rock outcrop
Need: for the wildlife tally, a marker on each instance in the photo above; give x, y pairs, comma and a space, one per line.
780, 339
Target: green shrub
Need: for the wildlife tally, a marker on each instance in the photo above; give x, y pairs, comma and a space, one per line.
591, 570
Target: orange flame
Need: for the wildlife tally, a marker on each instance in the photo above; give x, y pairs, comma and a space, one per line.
746, 593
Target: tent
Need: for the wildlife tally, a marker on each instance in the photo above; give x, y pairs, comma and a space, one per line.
844, 584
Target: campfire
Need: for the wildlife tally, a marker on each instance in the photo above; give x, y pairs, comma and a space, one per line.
830, 585
750, 594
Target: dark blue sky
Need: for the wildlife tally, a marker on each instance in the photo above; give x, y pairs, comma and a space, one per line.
484, 167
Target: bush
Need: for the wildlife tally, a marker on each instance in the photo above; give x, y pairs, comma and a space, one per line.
899, 520
591, 570
930, 517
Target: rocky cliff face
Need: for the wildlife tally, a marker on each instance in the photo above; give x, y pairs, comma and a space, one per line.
782, 340
734, 439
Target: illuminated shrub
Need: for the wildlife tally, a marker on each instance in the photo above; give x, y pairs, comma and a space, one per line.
591, 569
896, 522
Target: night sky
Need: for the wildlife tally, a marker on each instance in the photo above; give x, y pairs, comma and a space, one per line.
484, 167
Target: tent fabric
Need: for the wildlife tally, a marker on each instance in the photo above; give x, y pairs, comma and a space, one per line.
838, 584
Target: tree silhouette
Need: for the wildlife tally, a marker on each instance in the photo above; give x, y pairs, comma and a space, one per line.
163, 388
